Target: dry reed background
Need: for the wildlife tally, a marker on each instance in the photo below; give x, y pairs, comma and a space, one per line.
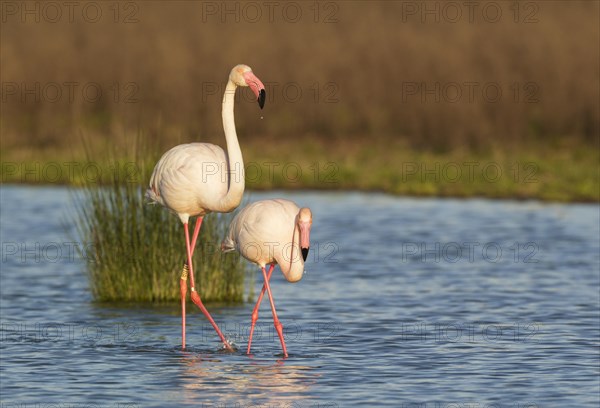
161, 67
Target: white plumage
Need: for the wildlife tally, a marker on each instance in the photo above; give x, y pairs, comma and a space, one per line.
183, 176
267, 232
197, 178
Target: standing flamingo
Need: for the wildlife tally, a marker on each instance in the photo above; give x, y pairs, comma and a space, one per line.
271, 232
195, 179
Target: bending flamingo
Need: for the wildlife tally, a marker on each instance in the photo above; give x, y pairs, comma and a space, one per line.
271, 232
195, 179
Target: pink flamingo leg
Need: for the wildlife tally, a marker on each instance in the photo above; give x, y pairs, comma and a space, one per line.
195, 297
196, 232
255, 312
276, 322
183, 282
183, 291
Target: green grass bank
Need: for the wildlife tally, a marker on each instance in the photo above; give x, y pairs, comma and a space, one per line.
562, 173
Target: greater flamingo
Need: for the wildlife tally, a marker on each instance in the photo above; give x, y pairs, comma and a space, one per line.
195, 179
271, 232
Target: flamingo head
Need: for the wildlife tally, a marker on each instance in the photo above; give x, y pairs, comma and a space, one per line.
304, 222
242, 75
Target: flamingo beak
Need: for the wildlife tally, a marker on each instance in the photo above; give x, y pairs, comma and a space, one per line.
257, 87
305, 253
304, 238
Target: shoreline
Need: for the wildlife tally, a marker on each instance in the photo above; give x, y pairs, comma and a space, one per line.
519, 199
550, 174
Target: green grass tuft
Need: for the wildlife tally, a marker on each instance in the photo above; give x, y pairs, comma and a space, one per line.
138, 249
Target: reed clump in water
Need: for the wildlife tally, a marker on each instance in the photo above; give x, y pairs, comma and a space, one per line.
136, 250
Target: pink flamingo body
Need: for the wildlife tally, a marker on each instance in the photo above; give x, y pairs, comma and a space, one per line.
195, 179
271, 232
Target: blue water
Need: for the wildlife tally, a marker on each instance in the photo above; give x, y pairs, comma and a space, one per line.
406, 302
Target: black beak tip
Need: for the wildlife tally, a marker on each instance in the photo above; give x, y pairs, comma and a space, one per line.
261, 98
304, 253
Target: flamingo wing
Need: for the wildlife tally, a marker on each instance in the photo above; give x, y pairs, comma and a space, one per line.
189, 178
261, 229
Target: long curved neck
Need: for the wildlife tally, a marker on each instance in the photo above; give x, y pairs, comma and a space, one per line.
236, 176
290, 259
